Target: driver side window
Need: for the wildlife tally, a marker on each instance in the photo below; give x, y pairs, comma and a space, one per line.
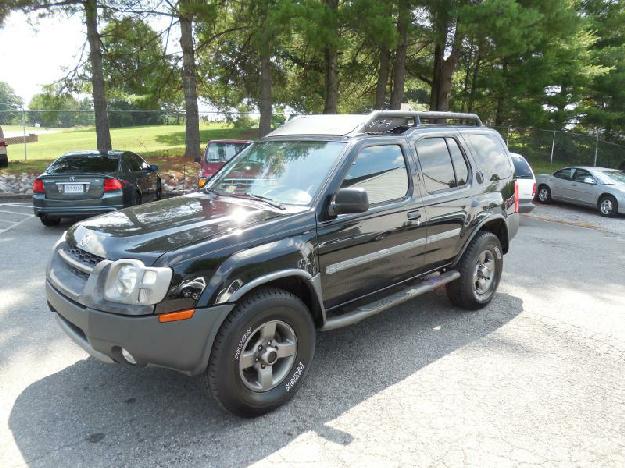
381, 171
581, 176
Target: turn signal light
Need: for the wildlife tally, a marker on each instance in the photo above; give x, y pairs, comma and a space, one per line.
110, 184
176, 316
38, 186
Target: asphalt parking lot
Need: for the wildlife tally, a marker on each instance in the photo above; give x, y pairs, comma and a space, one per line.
537, 378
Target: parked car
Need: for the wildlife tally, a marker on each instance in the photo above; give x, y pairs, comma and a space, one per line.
597, 187
526, 183
350, 215
218, 153
86, 183
4, 157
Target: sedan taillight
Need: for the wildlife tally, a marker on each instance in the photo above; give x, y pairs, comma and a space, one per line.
111, 185
38, 186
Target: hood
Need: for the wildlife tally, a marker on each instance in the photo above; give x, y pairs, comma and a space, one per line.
148, 231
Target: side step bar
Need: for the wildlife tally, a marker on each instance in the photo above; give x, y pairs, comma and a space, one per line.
378, 306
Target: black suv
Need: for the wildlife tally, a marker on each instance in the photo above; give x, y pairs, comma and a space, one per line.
326, 221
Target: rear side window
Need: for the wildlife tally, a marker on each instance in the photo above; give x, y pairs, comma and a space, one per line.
436, 167
460, 164
522, 169
566, 174
83, 163
133, 162
381, 171
491, 155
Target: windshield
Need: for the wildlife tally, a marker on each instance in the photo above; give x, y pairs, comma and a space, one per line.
288, 172
83, 163
612, 177
222, 151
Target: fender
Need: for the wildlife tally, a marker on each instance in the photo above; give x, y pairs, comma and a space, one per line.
293, 257
475, 230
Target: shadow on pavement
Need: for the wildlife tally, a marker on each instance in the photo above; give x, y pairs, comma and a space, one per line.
98, 414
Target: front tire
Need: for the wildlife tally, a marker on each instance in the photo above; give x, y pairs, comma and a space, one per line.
544, 194
480, 272
262, 353
50, 221
608, 206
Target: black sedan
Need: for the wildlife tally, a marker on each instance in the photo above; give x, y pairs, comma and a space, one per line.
87, 183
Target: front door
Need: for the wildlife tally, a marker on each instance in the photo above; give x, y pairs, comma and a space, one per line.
364, 252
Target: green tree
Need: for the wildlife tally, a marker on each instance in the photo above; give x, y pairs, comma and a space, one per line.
10, 104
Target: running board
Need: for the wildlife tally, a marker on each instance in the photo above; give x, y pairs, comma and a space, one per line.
378, 306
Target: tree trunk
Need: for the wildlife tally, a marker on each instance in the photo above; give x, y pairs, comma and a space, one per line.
266, 100
103, 132
476, 70
501, 96
331, 70
444, 68
383, 72
399, 67
189, 85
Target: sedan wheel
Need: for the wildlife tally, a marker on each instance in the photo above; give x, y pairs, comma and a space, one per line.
608, 206
544, 194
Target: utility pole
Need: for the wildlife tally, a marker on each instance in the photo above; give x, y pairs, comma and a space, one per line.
596, 145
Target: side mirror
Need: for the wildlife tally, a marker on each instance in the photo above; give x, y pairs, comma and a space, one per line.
589, 180
153, 168
349, 200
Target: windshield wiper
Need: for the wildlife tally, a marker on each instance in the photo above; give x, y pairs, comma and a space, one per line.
251, 196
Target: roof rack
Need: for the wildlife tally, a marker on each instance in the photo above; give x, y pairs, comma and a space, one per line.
396, 121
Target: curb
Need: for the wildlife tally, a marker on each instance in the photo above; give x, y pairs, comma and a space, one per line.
7, 196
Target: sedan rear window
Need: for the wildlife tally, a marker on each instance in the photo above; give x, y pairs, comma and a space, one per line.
522, 169
83, 163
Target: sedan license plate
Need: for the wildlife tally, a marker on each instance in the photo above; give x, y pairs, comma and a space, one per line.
74, 188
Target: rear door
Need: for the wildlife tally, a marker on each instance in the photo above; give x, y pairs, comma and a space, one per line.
363, 252
584, 187
561, 184
446, 175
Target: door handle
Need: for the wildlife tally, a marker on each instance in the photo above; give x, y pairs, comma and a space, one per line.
414, 215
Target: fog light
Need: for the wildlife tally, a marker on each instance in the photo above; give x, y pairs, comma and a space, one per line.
130, 359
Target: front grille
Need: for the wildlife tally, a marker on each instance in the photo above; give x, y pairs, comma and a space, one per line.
83, 256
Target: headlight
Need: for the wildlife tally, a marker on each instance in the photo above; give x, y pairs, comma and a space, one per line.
131, 282
126, 280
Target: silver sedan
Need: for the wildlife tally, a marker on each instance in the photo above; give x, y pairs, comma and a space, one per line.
598, 187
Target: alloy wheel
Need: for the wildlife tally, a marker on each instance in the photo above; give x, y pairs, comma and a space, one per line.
606, 206
268, 356
484, 274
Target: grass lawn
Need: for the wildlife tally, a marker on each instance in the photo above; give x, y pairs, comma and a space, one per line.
155, 142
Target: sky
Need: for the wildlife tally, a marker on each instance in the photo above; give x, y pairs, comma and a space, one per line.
38, 51
37, 54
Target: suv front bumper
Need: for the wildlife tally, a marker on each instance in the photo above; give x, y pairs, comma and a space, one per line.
183, 345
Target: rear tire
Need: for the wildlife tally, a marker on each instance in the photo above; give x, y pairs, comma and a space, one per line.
543, 194
50, 221
244, 375
480, 272
159, 189
608, 206
137, 199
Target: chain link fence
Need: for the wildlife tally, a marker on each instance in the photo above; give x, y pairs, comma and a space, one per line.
45, 134
562, 148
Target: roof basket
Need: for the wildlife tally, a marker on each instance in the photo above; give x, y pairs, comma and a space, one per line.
398, 122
